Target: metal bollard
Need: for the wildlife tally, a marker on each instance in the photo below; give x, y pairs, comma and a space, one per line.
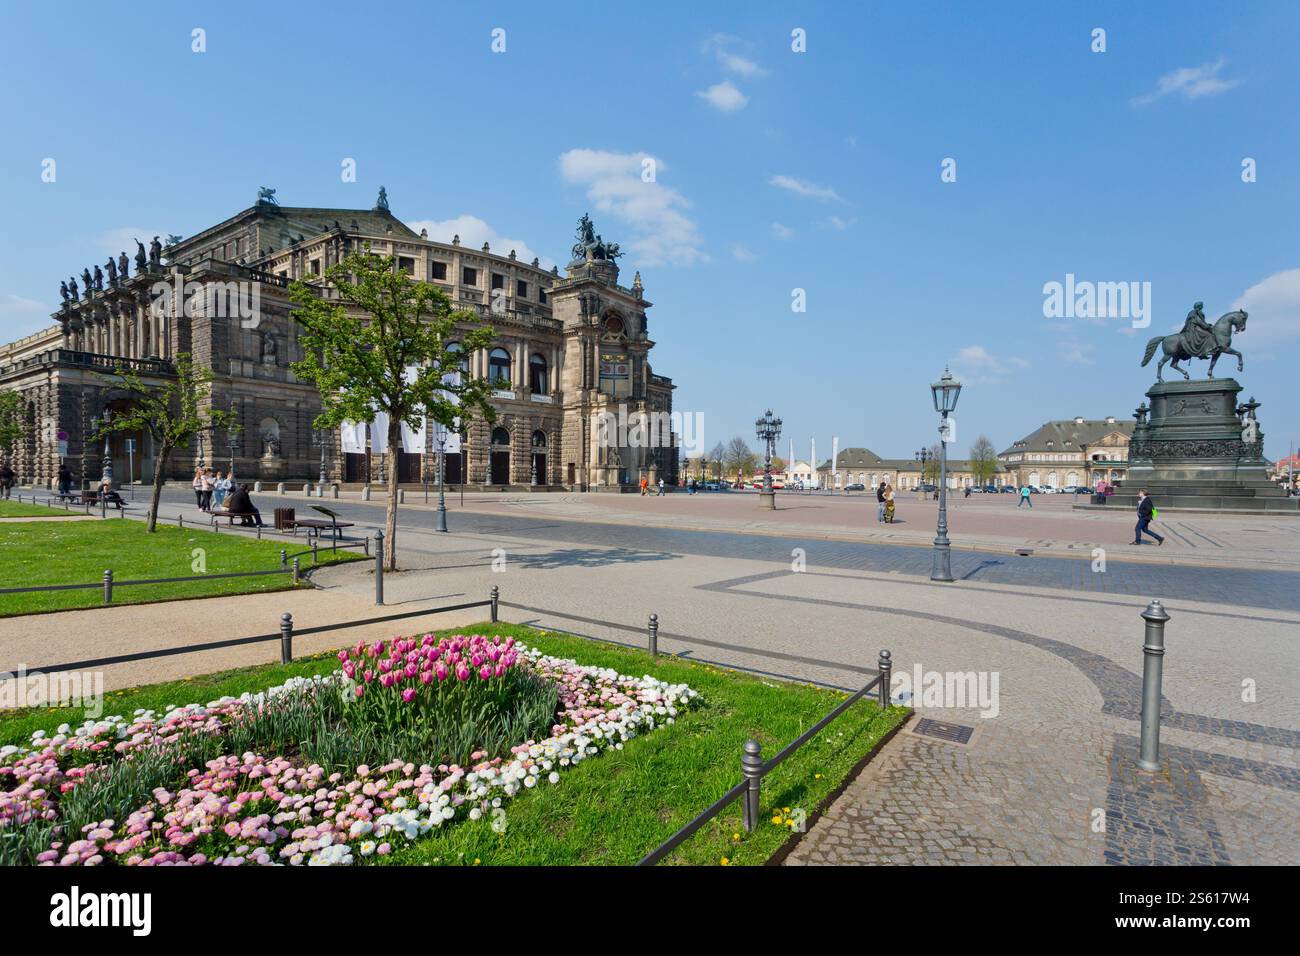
284, 561
654, 635
1153, 650
295, 571
365, 543
751, 765
886, 664
379, 567
496, 602
108, 585
286, 637
180, 521
314, 543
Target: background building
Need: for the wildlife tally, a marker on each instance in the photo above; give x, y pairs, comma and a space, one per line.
1075, 451
568, 348
863, 466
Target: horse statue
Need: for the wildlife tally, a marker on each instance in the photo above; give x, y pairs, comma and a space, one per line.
1177, 349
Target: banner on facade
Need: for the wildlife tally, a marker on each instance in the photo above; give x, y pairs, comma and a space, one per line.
352, 438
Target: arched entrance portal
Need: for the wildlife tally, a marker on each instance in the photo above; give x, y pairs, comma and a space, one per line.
499, 458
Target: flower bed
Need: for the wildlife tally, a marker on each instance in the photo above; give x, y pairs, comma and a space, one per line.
215, 802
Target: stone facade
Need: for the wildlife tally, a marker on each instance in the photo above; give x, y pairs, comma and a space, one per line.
567, 348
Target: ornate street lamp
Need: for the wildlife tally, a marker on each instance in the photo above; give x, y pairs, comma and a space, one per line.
924, 457
768, 429
232, 440
945, 392
108, 452
323, 434
440, 432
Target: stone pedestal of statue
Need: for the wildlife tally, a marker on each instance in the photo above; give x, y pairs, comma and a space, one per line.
1200, 450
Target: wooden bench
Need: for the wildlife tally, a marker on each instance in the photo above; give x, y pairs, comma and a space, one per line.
229, 515
88, 497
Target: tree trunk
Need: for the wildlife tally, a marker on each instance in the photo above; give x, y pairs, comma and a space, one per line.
159, 467
390, 528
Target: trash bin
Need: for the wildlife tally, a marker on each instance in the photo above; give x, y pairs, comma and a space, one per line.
284, 519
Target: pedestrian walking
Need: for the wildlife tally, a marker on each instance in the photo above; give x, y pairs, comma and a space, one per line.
6, 479
661, 487
1024, 498
889, 504
65, 480
198, 486
880, 501
1146, 510
220, 488
645, 482
207, 485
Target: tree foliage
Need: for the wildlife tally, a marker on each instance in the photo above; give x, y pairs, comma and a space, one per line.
372, 323
173, 412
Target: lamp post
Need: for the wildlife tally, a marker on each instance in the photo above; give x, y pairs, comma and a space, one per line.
945, 392
233, 442
924, 457
768, 429
107, 475
441, 524
321, 493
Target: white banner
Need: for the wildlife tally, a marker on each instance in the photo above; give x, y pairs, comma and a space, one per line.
379, 433
413, 440
352, 437
835, 461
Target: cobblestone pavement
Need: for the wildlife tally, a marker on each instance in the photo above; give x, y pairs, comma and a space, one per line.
1048, 773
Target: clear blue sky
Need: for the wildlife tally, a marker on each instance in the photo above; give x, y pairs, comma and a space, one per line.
776, 170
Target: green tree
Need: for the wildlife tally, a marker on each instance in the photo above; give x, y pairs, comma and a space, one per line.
173, 413
983, 460
13, 427
359, 344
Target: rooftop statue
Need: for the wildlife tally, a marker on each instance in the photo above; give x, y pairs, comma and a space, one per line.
63, 293
141, 258
1198, 340
592, 246
111, 266
381, 204
122, 264
265, 194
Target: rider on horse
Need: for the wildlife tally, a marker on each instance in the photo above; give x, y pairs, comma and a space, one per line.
1198, 334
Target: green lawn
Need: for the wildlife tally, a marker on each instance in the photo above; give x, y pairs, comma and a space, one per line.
615, 808
75, 552
10, 508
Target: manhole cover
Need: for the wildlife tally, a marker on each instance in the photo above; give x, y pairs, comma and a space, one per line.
953, 733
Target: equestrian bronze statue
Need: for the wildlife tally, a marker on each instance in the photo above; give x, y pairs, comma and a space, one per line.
1198, 340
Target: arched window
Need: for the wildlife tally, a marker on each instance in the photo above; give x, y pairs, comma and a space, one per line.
499, 367
537, 375
1033, 478
1051, 479
455, 349
539, 439
500, 437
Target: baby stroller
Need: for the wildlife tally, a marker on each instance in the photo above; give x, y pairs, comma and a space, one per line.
889, 511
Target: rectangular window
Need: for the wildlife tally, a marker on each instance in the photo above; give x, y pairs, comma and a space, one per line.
521, 288
315, 267
439, 270
541, 296
469, 276
406, 264
498, 281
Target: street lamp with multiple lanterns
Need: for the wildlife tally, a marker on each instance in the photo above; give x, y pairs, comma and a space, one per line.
768, 429
923, 458
945, 392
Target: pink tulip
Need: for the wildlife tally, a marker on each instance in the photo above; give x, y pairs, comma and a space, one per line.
408, 695
441, 671
485, 672
343, 656
462, 672
426, 677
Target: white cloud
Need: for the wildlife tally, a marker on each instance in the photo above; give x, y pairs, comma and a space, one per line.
1192, 82
724, 97
742, 254
781, 231
802, 187
20, 316
740, 65
473, 232
663, 233
975, 364
835, 222
1074, 353
1274, 308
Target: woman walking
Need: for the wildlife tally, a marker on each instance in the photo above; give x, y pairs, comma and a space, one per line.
198, 486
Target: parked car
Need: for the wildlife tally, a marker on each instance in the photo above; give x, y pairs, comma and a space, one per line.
929, 489
856, 486
1009, 489
990, 489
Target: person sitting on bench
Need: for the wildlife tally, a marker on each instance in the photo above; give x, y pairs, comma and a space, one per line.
106, 491
239, 503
